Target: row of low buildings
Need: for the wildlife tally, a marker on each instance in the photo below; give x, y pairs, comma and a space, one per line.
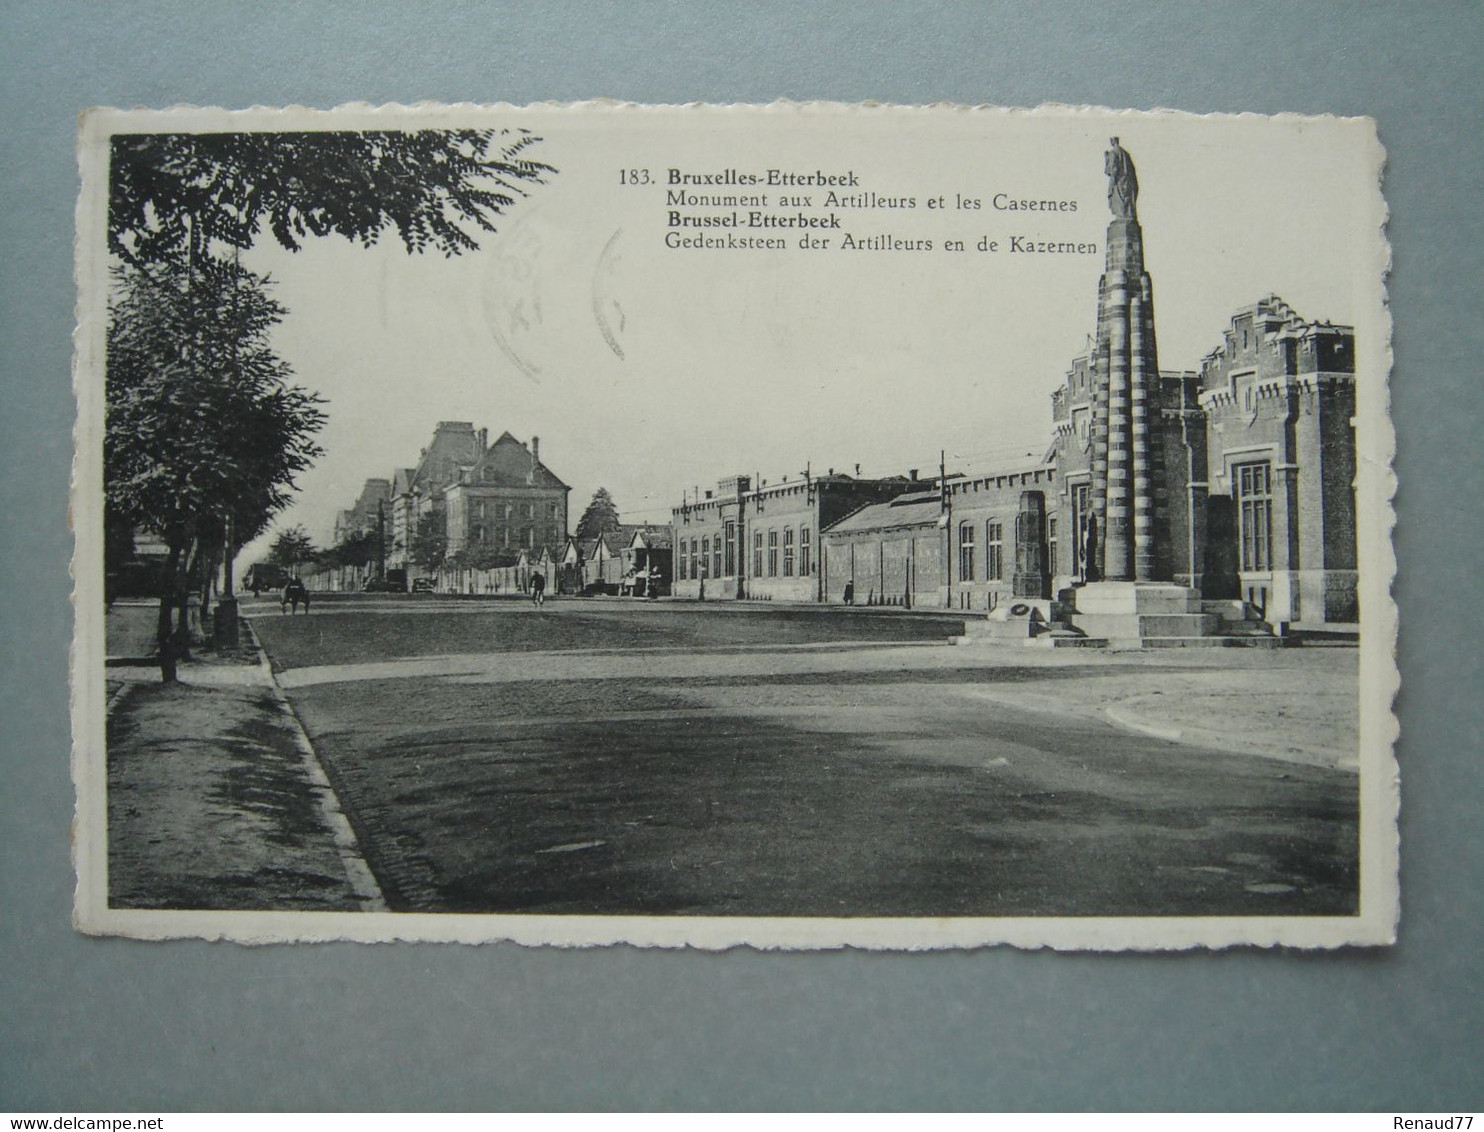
1159, 491
1255, 460
1168, 506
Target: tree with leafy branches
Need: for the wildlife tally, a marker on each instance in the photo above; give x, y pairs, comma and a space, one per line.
358, 549
600, 516
204, 434
486, 556
172, 196
429, 542
291, 549
181, 376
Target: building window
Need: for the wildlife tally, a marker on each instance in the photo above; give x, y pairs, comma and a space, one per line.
479, 532
730, 544
757, 554
481, 508
551, 510
716, 557
1255, 514
806, 563
994, 551
966, 552
705, 556
695, 557
772, 554
527, 537
1051, 544
788, 552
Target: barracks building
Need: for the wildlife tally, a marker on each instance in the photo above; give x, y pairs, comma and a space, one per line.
1185, 502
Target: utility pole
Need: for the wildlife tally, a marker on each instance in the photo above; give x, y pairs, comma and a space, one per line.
224, 623
225, 616
381, 540
946, 508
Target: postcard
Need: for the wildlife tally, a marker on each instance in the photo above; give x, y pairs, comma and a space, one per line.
796, 526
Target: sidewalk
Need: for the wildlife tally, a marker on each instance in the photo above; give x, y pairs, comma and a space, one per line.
215, 800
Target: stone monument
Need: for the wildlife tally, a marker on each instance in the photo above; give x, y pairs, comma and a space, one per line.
1130, 596
1127, 476
1031, 577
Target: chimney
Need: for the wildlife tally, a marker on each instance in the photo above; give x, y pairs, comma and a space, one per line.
912, 475
536, 449
484, 440
857, 471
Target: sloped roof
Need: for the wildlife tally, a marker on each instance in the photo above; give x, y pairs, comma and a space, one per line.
918, 509
655, 538
509, 463
622, 536
372, 492
615, 540
454, 444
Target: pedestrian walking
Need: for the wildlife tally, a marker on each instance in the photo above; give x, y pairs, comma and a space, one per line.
538, 590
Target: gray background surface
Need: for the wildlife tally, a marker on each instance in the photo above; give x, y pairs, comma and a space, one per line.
110, 1024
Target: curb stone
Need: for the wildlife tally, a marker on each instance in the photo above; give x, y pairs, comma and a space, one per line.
362, 881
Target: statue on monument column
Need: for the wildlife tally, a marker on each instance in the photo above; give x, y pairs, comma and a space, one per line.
1123, 182
1090, 571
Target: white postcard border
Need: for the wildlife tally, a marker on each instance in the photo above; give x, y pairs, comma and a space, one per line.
1375, 924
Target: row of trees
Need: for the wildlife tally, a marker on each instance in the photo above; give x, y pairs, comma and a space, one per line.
205, 432
293, 550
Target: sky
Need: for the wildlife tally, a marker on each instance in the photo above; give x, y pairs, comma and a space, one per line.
654, 371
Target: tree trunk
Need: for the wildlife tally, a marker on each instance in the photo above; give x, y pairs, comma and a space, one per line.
199, 577
182, 581
164, 636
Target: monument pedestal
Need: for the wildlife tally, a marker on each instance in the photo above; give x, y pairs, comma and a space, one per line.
1116, 598
1129, 612
1123, 615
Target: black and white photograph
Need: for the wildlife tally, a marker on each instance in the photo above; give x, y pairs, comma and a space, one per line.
793, 526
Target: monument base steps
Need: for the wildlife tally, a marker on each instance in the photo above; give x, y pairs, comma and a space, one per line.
1123, 616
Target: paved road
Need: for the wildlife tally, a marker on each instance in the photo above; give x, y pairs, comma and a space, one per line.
602, 756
